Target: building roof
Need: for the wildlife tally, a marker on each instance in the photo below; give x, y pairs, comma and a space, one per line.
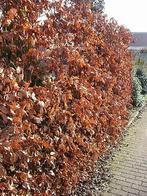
139, 39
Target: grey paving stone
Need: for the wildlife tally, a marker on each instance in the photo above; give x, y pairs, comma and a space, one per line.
129, 166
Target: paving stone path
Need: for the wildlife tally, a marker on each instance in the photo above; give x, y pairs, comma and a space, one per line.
129, 166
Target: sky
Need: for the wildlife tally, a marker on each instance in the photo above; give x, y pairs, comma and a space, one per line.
130, 13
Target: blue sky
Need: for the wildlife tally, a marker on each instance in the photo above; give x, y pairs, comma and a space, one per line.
130, 13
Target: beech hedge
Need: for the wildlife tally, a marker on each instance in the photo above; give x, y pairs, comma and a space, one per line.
65, 90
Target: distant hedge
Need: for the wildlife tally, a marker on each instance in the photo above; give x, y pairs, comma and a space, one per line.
64, 94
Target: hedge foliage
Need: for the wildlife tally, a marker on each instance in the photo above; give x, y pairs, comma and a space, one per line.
64, 93
143, 80
138, 98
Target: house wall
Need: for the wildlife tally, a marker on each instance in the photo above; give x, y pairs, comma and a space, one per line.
139, 39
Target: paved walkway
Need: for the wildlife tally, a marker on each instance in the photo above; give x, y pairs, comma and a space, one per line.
129, 166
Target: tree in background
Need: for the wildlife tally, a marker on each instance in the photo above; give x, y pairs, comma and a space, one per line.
97, 5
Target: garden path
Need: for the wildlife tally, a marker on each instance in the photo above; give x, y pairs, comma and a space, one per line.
129, 166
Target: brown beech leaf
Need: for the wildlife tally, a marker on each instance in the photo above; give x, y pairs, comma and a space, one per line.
12, 13
3, 172
3, 109
23, 176
15, 145
3, 186
45, 144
